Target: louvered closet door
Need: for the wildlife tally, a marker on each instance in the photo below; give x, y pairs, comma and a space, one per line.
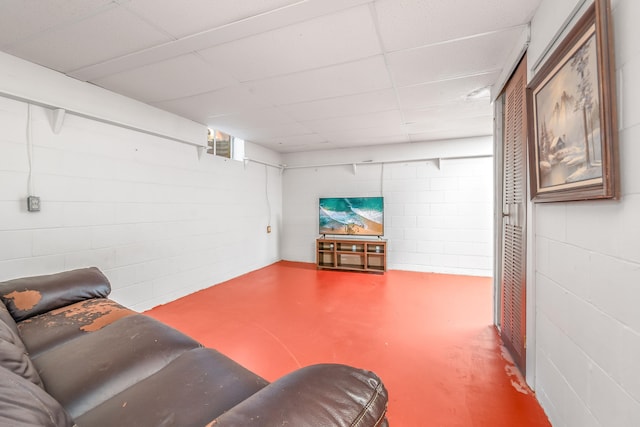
513, 284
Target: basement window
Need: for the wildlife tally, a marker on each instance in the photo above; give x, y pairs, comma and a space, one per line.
224, 145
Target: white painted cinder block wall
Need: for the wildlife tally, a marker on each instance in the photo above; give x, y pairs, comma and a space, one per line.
587, 264
436, 219
159, 221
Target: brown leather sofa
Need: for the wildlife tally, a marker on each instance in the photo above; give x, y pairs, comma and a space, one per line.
71, 356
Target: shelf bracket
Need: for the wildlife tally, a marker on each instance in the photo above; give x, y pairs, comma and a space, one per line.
57, 119
355, 168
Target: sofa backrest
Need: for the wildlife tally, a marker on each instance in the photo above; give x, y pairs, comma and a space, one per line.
29, 296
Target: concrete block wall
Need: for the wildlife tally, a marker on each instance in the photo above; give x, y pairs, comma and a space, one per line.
436, 219
301, 190
440, 219
160, 221
587, 265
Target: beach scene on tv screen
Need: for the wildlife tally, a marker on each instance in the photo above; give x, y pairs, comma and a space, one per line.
352, 215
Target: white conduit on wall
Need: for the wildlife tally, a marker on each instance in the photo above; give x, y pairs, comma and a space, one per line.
29, 136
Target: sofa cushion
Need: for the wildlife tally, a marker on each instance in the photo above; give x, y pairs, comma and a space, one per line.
23, 404
30, 296
86, 371
203, 384
45, 331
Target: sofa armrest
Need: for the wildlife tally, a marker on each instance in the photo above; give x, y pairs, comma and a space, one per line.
29, 296
318, 395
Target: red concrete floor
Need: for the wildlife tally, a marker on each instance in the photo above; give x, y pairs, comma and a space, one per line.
428, 336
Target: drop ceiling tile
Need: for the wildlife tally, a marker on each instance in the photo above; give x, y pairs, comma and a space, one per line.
392, 119
465, 108
365, 75
443, 92
347, 141
304, 139
273, 132
457, 114
263, 118
291, 143
311, 44
383, 133
97, 38
407, 24
177, 77
369, 102
180, 18
226, 101
382, 140
298, 145
465, 127
477, 55
295, 147
478, 126
22, 19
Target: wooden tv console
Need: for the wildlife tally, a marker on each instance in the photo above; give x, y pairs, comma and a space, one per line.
351, 254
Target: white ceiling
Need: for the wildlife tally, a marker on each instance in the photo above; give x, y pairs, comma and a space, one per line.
290, 75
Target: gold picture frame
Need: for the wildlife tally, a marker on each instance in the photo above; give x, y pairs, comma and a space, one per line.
573, 147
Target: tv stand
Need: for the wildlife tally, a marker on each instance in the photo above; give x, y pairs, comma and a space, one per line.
351, 254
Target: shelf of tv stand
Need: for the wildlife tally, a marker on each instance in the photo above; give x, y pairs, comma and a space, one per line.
351, 254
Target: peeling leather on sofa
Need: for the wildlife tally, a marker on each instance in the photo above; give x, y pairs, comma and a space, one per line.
90, 316
24, 300
96, 314
109, 315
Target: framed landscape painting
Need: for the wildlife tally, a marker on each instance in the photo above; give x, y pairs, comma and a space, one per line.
572, 132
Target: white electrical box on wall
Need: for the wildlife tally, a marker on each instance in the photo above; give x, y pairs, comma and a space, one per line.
33, 204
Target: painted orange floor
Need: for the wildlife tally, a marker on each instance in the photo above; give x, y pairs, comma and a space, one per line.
428, 336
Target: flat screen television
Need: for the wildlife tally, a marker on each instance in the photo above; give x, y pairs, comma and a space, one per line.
362, 216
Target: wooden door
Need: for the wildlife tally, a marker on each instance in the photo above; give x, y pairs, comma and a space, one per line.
514, 203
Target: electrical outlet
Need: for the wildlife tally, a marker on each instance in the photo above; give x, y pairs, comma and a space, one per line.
268, 229
33, 204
